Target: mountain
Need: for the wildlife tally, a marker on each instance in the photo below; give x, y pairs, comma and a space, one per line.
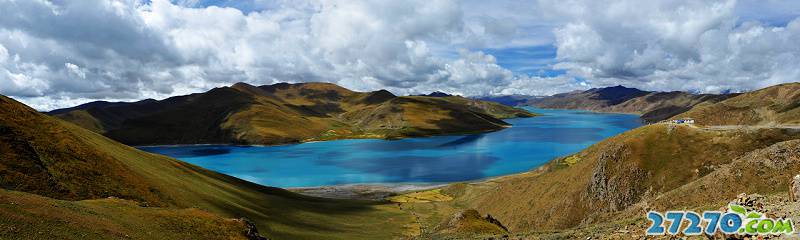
653, 106
657, 106
776, 105
62, 181
594, 99
437, 94
508, 100
285, 113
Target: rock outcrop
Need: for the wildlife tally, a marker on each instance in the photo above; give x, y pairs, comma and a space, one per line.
251, 232
794, 189
471, 222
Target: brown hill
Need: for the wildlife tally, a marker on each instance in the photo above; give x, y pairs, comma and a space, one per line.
653, 106
657, 106
776, 105
595, 99
48, 157
283, 113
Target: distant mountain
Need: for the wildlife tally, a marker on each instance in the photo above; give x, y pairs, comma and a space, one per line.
47, 165
594, 99
284, 113
437, 94
653, 106
509, 100
776, 105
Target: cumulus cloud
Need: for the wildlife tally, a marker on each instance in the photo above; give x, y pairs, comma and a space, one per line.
58, 53
673, 45
125, 50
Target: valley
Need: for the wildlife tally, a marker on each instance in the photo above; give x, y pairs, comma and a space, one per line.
56, 173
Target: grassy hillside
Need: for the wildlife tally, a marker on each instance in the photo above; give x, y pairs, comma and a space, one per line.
657, 106
48, 157
29, 216
617, 173
774, 105
283, 113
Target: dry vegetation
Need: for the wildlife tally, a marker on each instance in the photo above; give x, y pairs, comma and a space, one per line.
29, 216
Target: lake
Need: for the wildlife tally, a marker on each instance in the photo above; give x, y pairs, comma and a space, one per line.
530, 143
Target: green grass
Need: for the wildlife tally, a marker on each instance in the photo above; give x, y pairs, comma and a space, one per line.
29, 216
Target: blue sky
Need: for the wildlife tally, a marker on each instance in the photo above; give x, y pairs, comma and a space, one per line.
534, 60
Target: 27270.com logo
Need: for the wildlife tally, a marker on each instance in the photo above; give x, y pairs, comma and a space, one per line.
737, 220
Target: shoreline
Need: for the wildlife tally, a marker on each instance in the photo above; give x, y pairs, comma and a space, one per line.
379, 191
364, 191
317, 140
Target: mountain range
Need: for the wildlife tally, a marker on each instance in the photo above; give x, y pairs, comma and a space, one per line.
652, 106
286, 113
67, 180
775, 105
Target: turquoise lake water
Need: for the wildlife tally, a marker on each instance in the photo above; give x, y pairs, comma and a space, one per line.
530, 143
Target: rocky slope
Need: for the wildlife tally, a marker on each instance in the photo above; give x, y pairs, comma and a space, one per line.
62, 181
283, 113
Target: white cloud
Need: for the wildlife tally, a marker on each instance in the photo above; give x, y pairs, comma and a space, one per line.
3, 54
125, 50
132, 49
539, 86
673, 45
74, 69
